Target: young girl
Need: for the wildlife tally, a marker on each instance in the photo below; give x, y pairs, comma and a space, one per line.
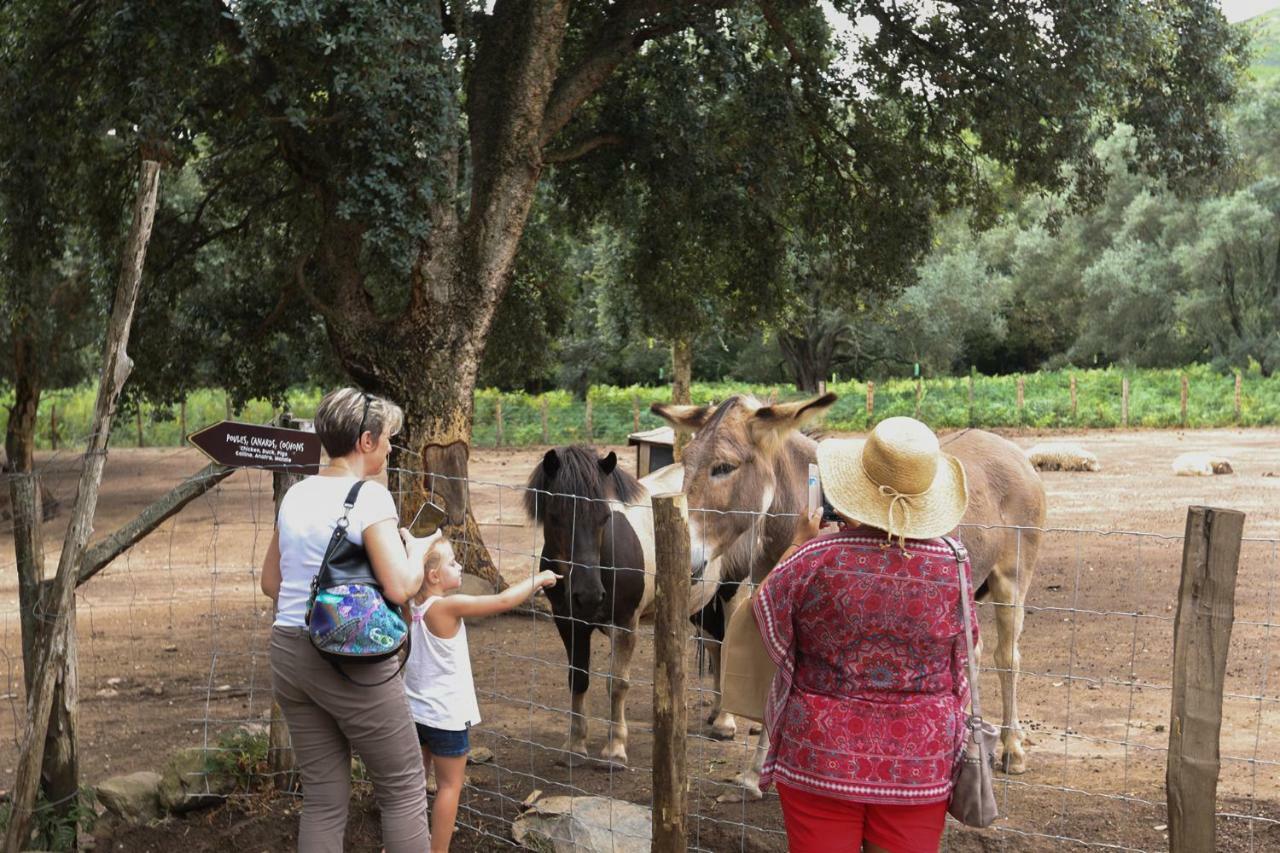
437, 677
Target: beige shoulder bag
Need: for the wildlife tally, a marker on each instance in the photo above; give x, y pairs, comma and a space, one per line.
973, 795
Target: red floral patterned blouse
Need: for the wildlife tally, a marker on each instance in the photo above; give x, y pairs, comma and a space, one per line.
869, 701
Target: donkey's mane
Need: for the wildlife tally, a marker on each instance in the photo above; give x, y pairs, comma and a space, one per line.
579, 476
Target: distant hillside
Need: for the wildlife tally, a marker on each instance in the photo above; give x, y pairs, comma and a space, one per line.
1266, 44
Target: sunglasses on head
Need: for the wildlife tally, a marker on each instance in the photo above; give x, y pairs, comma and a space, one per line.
368, 398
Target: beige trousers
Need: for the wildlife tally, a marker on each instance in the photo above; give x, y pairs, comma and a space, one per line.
329, 716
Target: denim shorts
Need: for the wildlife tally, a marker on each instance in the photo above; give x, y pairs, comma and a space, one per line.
445, 743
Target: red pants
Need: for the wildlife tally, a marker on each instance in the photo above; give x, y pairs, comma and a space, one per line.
818, 824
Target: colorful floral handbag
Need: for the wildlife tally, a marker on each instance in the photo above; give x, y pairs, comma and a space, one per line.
347, 618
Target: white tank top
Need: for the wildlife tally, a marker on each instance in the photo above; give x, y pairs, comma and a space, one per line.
437, 677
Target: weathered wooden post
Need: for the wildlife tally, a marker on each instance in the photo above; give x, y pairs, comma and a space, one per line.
1022, 396
182, 419
280, 759
1183, 402
57, 642
139, 419
1124, 401
635, 413
671, 638
822, 387
1201, 637
546, 435
871, 399
227, 400
971, 398
53, 426
497, 423
588, 419
1074, 408
919, 394
1238, 389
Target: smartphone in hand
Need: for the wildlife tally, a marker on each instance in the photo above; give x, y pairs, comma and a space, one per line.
427, 520
815, 489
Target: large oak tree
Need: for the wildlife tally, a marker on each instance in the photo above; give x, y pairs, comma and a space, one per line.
368, 167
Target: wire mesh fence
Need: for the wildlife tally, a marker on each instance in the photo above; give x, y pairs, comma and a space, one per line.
172, 654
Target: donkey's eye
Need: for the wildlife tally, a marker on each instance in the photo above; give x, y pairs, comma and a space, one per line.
723, 469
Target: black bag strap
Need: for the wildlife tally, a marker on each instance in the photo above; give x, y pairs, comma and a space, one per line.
337, 667
339, 532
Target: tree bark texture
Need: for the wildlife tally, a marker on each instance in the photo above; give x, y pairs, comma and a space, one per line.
681, 386
52, 653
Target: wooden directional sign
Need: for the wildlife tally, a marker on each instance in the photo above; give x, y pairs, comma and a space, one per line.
255, 446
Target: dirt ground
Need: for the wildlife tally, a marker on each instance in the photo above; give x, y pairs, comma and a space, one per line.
172, 650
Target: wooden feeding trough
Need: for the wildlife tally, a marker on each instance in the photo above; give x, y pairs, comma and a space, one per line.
655, 448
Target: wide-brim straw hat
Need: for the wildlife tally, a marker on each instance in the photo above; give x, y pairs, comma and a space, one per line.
897, 480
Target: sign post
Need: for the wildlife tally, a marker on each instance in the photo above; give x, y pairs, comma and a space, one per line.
238, 445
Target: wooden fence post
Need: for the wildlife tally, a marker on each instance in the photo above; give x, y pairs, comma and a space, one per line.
1022, 395
1201, 636
1238, 384
139, 419
588, 420
1183, 403
971, 399
919, 394
822, 387
1124, 401
228, 402
671, 643
635, 413
182, 419
280, 759
497, 423
546, 437
57, 641
871, 399
53, 426
1075, 410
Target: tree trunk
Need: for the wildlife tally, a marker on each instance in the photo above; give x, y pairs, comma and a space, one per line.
803, 356
681, 385
57, 648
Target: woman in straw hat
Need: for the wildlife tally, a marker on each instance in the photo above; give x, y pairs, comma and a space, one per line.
866, 714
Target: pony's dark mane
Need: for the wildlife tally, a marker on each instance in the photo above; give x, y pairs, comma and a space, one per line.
579, 475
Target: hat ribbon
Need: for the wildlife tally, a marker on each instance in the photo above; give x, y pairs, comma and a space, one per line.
897, 498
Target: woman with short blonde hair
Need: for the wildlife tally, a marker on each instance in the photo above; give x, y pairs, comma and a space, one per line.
328, 713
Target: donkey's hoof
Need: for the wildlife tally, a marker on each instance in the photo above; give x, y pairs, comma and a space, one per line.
748, 792
614, 754
1013, 764
573, 759
723, 732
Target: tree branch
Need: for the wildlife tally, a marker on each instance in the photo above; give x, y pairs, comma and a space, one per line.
619, 37
100, 556
582, 149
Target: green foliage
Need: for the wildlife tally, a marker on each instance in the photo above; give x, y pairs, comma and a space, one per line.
1264, 31
52, 829
242, 756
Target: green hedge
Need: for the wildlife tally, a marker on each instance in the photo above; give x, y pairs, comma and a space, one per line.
1154, 401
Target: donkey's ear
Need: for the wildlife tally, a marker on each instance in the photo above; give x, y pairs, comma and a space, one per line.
608, 463
551, 462
683, 417
780, 418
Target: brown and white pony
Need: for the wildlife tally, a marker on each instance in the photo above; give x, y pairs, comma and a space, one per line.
597, 523
745, 475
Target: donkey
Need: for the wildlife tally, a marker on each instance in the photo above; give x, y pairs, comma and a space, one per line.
597, 523
749, 459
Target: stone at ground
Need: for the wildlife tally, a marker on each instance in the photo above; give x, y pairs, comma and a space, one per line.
133, 798
480, 755
584, 825
189, 782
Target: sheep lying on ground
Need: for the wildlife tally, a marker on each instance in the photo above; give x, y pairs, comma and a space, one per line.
1201, 465
1062, 456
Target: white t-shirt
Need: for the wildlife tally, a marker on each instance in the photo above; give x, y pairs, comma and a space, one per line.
310, 510
437, 676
